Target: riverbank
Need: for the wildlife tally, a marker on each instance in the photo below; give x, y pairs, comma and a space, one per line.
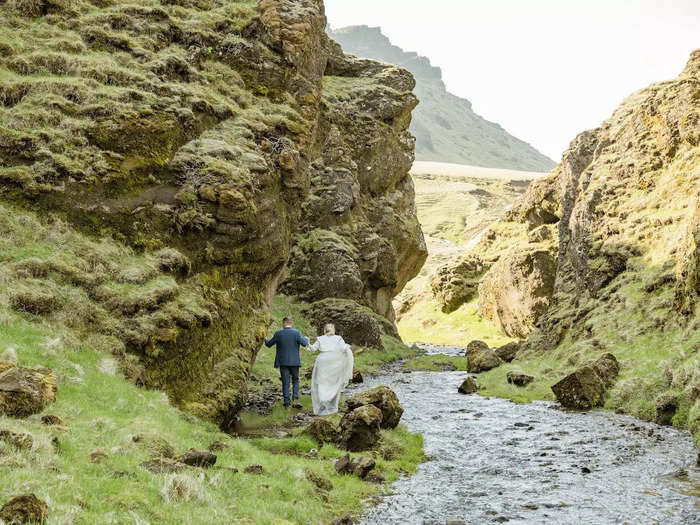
88, 468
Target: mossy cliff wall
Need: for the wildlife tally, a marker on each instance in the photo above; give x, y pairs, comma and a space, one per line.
626, 202
200, 127
360, 238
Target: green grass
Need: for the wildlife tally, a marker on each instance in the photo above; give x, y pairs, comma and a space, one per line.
425, 322
437, 363
103, 411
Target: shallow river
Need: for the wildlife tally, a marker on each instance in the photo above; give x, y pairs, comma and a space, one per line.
491, 461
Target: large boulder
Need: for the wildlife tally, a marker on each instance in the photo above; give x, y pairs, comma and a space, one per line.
585, 387
360, 428
481, 358
357, 324
519, 378
382, 397
26, 508
359, 466
323, 430
508, 351
25, 391
581, 389
468, 386
455, 284
517, 290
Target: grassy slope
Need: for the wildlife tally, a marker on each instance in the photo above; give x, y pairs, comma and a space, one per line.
102, 411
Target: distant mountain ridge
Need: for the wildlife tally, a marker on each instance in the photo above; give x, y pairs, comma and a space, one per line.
445, 126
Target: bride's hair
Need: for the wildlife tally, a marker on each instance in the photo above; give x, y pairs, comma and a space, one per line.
329, 329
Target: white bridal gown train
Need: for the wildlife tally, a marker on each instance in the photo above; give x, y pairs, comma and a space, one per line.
332, 373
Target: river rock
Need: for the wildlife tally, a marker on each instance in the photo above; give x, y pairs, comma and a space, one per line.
26, 508
323, 430
360, 428
508, 351
582, 389
198, 458
25, 391
481, 358
382, 397
518, 378
468, 386
357, 377
359, 466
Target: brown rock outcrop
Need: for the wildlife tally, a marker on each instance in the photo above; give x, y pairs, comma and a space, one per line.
516, 291
360, 428
26, 391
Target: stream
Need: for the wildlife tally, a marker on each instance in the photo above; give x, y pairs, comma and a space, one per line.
494, 461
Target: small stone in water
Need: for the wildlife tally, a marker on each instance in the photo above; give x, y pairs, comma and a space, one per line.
585, 470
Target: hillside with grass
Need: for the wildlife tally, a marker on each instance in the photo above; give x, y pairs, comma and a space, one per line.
445, 126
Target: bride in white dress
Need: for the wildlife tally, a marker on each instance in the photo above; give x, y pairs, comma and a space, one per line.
332, 371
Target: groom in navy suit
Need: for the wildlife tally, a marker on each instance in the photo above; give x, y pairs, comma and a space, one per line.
287, 358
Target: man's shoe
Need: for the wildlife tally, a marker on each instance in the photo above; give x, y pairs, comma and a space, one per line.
286, 406
297, 405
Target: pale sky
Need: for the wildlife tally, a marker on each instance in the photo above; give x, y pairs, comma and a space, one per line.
543, 69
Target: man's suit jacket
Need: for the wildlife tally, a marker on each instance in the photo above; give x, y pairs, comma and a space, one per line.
287, 340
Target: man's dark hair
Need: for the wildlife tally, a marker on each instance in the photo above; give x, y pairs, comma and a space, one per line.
286, 320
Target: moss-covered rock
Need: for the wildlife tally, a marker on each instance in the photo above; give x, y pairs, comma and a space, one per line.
382, 397
200, 138
360, 428
25, 391
481, 358
455, 284
25, 508
323, 430
357, 324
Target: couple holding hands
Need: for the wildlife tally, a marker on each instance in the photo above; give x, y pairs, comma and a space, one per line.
332, 371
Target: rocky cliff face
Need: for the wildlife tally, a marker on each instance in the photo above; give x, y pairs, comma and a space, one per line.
446, 127
360, 239
209, 133
626, 201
